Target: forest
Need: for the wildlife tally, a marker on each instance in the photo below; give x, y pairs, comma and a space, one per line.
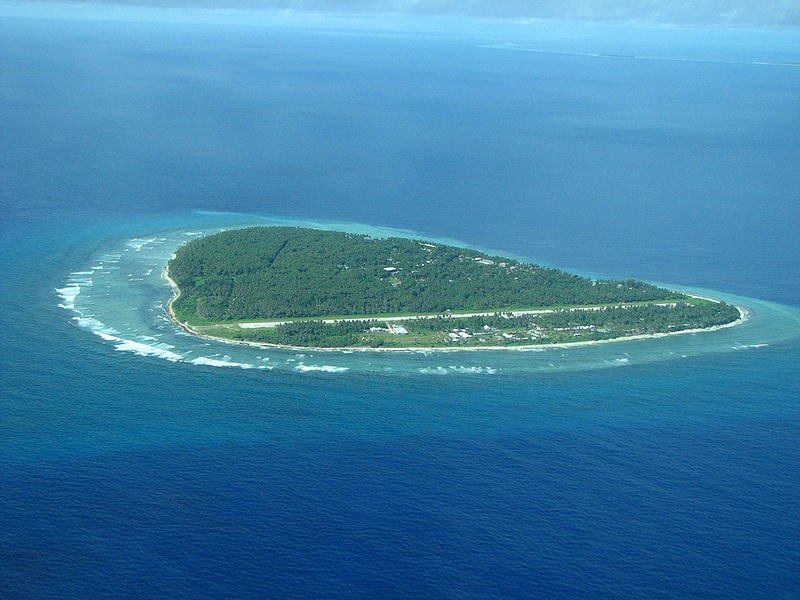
287, 272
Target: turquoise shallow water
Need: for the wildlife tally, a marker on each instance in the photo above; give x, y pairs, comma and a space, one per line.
642, 470
120, 294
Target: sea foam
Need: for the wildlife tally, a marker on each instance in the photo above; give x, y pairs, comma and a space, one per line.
303, 368
109, 334
137, 244
142, 349
458, 369
213, 362
68, 295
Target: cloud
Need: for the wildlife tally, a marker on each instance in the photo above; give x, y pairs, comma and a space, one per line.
699, 12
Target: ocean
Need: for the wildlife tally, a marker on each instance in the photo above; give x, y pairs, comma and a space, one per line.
137, 462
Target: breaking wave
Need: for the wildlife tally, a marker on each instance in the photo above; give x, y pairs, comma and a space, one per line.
213, 362
457, 369
304, 368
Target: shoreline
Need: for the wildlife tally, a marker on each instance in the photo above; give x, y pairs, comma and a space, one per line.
176, 292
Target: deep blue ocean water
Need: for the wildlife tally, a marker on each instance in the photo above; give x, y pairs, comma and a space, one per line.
128, 476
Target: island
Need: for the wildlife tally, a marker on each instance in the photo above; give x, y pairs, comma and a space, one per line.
310, 288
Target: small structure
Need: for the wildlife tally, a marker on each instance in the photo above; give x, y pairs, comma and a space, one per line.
390, 269
397, 329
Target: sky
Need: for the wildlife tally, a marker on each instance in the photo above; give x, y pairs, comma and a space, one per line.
747, 13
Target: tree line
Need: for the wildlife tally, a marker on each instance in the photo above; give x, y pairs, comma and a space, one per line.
285, 272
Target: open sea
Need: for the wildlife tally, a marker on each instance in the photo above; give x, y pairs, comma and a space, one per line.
138, 462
